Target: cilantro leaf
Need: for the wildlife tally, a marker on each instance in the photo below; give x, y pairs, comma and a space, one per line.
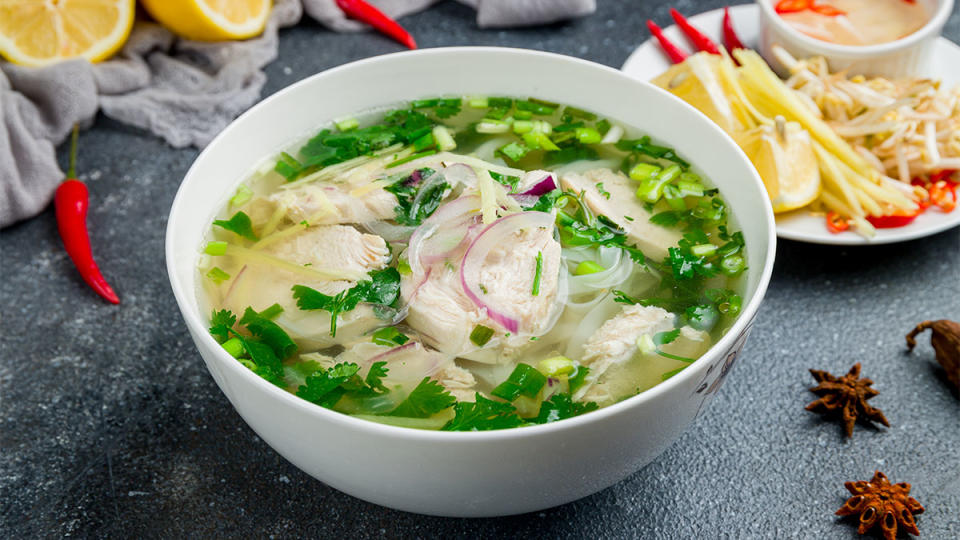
221, 322
323, 387
561, 407
383, 288
389, 337
418, 196
375, 374
239, 224
483, 415
267, 363
427, 399
269, 333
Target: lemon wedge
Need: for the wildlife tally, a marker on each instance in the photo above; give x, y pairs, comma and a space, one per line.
784, 156
211, 20
697, 81
36, 33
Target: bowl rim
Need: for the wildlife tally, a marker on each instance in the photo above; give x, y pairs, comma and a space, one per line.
931, 29
190, 308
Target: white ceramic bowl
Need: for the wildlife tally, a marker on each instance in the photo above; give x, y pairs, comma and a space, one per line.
481, 473
906, 57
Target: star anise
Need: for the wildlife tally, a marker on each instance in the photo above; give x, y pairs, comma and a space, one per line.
878, 502
847, 395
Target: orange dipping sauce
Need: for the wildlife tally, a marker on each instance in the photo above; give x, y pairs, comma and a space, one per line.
854, 22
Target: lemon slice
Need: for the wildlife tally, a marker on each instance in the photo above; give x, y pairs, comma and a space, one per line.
783, 155
37, 33
211, 20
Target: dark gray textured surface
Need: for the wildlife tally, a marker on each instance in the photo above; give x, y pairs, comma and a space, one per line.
109, 424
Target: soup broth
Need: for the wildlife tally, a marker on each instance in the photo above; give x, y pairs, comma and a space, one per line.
472, 264
855, 22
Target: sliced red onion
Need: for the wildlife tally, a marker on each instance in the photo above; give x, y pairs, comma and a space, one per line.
389, 231
494, 235
450, 220
460, 173
393, 351
545, 185
525, 200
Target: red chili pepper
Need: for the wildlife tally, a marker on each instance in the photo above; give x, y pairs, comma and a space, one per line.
943, 174
673, 52
894, 220
829, 11
835, 223
944, 195
699, 39
364, 12
730, 37
70, 203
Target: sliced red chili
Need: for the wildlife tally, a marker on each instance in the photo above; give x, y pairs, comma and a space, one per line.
71, 202
893, 221
829, 11
944, 195
699, 39
674, 53
364, 12
793, 6
730, 37
835, 223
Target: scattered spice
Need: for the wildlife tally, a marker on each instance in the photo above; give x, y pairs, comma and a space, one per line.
847, 395
878, 502
946, 343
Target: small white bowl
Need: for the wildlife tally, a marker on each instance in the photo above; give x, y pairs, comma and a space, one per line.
483, 473
906, 57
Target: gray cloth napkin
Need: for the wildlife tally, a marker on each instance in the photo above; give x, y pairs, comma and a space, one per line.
183, 91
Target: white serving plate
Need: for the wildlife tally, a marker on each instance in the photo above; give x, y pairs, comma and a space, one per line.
648, 61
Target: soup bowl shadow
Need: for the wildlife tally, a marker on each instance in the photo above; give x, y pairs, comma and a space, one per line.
475, 473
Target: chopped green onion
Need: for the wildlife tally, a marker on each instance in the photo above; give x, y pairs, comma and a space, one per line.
588, 135
587, 267
642, 171
538, 274
535, 107
481, 335
690, 189
537, 140
217, 275
603, 126
646, 345
522, 126
410, 158
513, 150
216, 248
673, 197
703, 250
490, 125
347, 124
243, 195
389, 337
233, 346
524, 381
478, 103
424, 142
271, 311
671, 373
651, 189
403, 267
578, 378
732, 265
542, 126
579, 113
522, 115
556, 366
445, 141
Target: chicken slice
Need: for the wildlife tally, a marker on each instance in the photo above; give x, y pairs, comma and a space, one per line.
336, 249
443, 313
653, 240
408, 364
614, 344
325, 204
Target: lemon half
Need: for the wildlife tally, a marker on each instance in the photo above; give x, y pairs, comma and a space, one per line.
211, 20
38, 32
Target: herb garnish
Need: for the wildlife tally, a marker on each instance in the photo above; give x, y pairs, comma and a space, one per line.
427, 399
605, 193
383, 288
239, 224
538, 274
481, 335
413, 206
389, 337
525, 380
